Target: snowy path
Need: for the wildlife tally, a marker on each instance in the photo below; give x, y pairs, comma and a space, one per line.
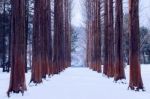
76, 83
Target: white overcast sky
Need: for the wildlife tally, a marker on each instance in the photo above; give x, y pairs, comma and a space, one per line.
77, 16
77, 13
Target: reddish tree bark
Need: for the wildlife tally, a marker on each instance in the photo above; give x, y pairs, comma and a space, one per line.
94, 35
109, 39
58, 62
42, 45
36, 76
67, 32
135, 70
105, 68
45, 37
110, 72
98, 36
119, 66
89, 35
18, 45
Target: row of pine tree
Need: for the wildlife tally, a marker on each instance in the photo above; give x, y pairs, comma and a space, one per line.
113, 39
50, 40
51, 50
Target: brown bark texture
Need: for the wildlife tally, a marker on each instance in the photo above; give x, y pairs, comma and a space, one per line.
18, 47
135, 69
109, 39
62, 36
94, 34
119, 73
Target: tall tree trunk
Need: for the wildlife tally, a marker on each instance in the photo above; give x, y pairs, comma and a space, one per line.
67, 33
106, 62
36, 76
49, 37
94, 35
98, 36
119, 66
42, 45
4, 38
58, 62
110, 72
135, 70
45, 34
89, 33
26, 28
17, 77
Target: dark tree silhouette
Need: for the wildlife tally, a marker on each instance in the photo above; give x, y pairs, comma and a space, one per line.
4, 34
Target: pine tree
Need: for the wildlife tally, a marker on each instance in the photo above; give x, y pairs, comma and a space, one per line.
119, 66
106, 62
94, 35
45, 37
36, 76
98, 35
109, 39
42, 44
58, 37
18, 44
110, 72
135, 70
67, 32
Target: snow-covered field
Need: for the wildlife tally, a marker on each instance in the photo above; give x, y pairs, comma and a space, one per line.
78, 83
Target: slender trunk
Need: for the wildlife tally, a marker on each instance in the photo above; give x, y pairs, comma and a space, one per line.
36, 76
110, 72
106, 63
4, 39
94, 35
45, 34
58, 62
26, 29
119, 66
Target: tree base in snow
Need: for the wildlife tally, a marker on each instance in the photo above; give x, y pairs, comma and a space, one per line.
17, 92
136, 88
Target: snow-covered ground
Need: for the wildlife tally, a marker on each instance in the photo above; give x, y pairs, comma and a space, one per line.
78, 83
